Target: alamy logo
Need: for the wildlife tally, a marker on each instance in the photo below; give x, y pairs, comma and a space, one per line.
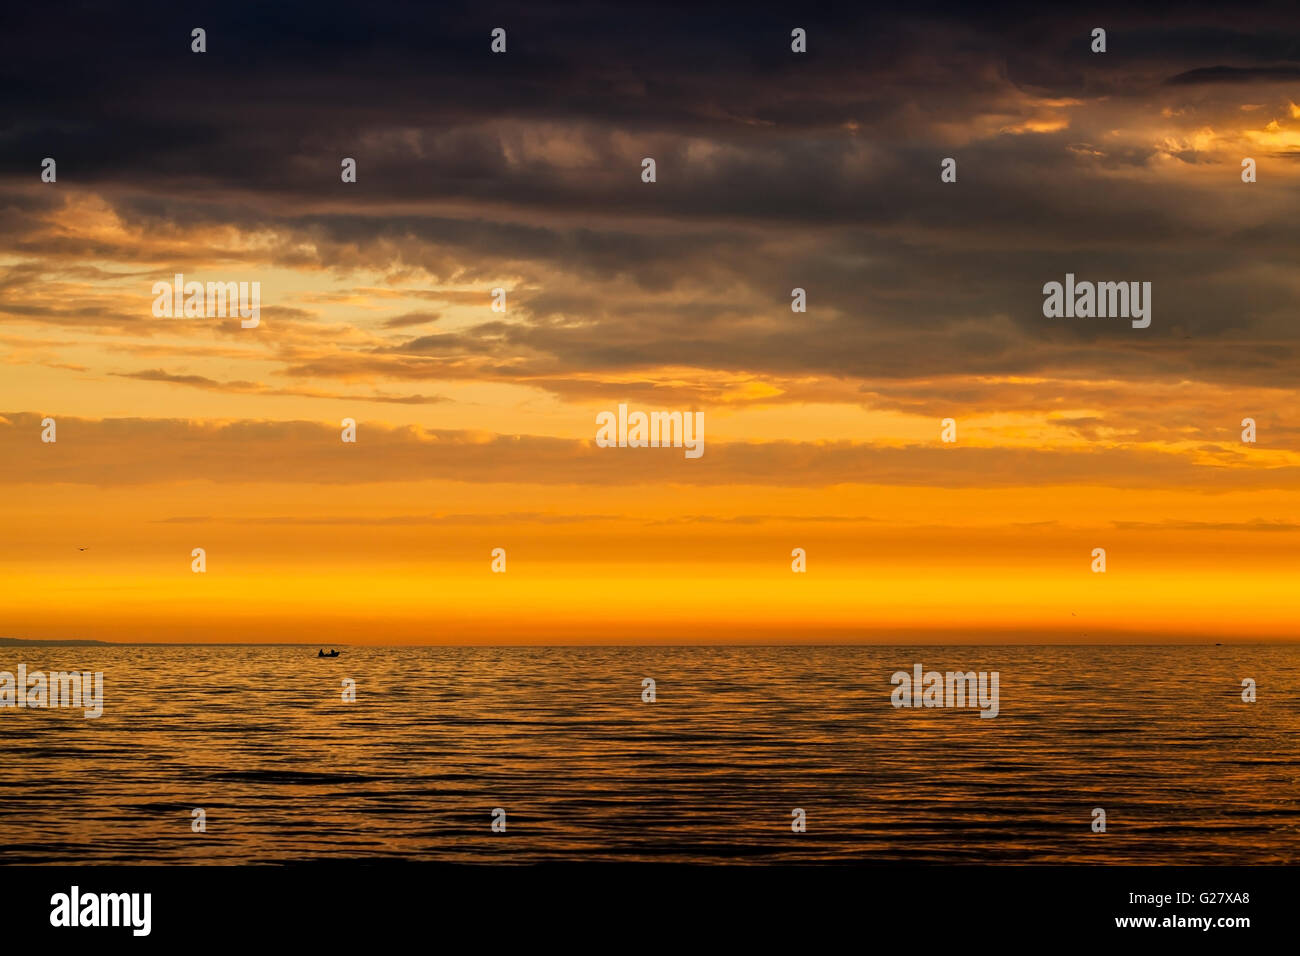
59, 689
1102, 300
103, 909
653, 430
953, 689
194, 300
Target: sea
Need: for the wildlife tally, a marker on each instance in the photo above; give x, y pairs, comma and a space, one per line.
745, 754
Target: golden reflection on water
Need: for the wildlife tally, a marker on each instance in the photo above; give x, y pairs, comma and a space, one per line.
260, 738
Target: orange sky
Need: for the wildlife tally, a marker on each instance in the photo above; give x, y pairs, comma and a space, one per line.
822, 429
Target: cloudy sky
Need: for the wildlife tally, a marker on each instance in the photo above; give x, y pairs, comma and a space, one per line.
522, 171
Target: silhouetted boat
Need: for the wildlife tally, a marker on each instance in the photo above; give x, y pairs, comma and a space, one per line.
330, 654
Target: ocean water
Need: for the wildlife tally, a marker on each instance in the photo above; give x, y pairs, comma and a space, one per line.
260, 738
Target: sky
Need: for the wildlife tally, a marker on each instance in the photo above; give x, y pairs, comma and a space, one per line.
522, 171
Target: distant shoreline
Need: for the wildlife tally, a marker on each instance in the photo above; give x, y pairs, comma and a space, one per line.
34, 641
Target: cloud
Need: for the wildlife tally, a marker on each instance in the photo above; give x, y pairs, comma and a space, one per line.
411, 318
138, 451
257, 388
775, 172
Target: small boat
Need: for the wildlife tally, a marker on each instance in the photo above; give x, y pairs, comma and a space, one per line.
332, 653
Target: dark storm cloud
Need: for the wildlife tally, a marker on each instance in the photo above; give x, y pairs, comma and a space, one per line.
774, 172
1231, 74
284, 83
